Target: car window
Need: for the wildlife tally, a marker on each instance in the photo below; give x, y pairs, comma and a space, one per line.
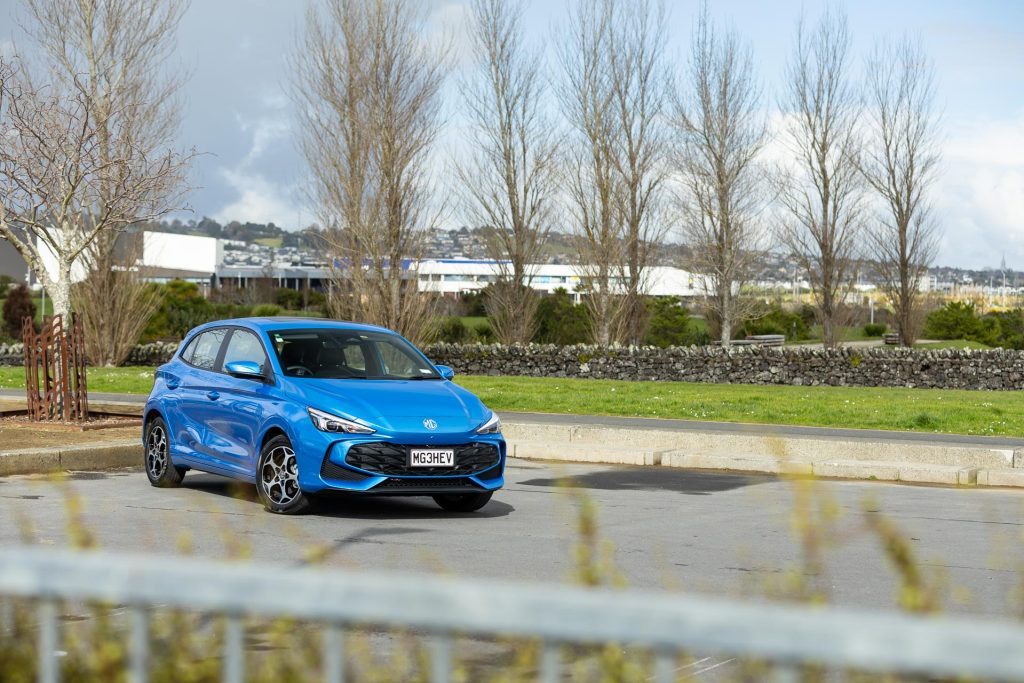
207, 346
245, 346
186, 354
340, 353
397, 361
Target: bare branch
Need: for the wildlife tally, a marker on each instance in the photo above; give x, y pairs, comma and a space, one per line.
723, 186
900, 163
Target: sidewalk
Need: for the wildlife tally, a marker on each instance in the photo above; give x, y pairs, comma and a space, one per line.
949, 459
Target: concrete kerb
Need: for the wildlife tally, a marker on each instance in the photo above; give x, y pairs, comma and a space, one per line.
871, 459
110, 455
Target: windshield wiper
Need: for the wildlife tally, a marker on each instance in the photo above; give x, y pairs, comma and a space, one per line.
418, 378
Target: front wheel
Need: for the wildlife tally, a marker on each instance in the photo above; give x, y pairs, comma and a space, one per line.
159, 468
463, 502
277, 478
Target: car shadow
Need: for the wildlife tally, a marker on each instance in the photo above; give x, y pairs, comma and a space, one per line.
337, 504
687, 482
354, 506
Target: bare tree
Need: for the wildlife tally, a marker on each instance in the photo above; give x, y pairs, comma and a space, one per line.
900, 161
66, 177
640, 83
368, 94
591, 180
113, 301
113, 53
722, 130
509, 183
823, 193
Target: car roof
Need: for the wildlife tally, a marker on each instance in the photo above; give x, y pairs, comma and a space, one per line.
292, 323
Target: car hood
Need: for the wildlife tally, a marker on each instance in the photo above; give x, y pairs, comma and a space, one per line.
397, 405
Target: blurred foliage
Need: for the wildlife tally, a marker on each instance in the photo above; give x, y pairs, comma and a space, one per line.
17, 305
670, 324
777, 320
183, 308
560, 321
874, 329
960, 320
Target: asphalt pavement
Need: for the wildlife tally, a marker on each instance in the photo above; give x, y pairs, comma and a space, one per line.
718, 533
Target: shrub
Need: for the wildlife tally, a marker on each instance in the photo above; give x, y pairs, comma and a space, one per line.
776, 320
183, 308
482, 333
560, 321
959, 320
266, 310
874, 330
17, 305
289, 299
453, 331
671, 324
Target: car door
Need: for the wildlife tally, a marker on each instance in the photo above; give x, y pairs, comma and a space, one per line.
239, 407
198, 391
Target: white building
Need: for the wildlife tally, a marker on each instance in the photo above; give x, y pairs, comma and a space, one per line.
458, 276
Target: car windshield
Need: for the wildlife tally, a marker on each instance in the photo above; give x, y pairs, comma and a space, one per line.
339, 353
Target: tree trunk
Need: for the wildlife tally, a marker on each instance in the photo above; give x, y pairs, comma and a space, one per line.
60, 292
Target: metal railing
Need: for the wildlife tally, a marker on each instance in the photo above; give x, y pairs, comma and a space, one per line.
785, 635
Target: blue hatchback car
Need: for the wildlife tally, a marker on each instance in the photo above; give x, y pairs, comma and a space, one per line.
299, 406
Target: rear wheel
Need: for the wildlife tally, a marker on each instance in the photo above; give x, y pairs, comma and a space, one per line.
159, 468
463, 502
277, 478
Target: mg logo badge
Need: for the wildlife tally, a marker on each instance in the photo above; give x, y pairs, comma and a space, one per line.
430, 424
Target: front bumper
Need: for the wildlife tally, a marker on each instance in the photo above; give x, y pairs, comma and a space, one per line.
376, 465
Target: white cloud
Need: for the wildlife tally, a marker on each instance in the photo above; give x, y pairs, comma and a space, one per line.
259, 197
979, 198
261, 201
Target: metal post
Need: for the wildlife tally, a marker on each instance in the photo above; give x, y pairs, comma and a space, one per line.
139, 671
234, 641
550, 663
334, 654
49, 672
664, 667
441, 659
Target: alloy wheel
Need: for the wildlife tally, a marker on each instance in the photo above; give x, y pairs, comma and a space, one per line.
156, 452
280, 476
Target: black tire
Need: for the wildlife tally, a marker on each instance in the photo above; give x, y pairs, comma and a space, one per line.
463, 502
277, 479
156, 456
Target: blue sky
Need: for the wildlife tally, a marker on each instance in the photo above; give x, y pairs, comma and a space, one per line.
237, 112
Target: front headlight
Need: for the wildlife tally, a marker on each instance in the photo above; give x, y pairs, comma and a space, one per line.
326, 422
492, 426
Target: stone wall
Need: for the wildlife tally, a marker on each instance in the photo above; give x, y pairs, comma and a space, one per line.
876, 367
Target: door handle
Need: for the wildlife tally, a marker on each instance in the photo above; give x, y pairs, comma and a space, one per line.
213, 395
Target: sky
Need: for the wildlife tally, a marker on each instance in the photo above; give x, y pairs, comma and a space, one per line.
237, 112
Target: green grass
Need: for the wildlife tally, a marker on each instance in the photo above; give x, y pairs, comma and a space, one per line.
137, 380
924, 410
472, 321
273, 242
953, 344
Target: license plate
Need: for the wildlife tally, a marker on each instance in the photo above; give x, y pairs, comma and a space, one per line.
432, 457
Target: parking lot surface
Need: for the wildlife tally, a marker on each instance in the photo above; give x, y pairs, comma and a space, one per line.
718, 533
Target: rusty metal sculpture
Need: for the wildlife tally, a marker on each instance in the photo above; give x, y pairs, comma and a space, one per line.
55, 370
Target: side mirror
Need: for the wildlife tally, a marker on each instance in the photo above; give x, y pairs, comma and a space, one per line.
244, 369
445, 371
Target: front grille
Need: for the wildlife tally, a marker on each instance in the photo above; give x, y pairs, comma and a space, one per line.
426, 484
393, 459
330, 470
